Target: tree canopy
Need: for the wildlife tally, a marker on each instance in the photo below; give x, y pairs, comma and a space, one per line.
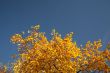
37, 54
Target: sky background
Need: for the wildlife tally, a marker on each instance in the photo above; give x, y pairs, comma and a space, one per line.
88, 19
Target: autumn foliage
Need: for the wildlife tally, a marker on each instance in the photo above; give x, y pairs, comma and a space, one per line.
3, 69
37, 54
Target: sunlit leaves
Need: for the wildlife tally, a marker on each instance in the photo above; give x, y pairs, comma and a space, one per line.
37, 54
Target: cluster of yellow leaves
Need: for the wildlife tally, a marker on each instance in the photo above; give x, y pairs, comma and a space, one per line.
3, 69
93, 59
58, 55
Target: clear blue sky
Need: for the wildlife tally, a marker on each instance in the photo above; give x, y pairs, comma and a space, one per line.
88, 19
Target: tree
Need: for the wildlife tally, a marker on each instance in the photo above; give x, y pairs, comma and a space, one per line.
37, 54
3, 69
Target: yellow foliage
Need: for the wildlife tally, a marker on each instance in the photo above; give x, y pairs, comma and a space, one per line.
58, 55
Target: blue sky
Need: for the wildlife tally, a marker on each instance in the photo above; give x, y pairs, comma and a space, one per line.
88, 19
